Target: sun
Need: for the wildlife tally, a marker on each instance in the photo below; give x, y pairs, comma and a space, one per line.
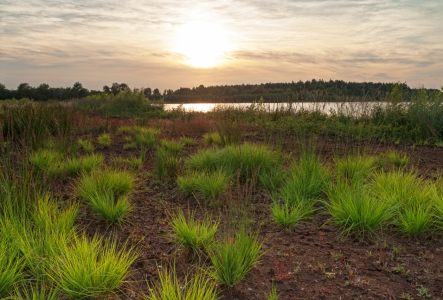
202, 43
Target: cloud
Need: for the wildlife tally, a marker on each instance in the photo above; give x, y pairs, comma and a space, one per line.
98, 42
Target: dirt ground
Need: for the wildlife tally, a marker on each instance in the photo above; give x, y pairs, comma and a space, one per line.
312, 261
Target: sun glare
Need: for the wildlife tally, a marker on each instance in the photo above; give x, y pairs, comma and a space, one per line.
203, 44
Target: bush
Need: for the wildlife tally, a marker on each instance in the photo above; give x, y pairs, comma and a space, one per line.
233, 259
193, 234
91, 268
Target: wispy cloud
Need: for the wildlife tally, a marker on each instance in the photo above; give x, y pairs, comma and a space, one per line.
100, 42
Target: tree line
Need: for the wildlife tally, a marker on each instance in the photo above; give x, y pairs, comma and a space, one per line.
309, 90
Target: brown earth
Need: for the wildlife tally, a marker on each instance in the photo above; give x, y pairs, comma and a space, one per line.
313, 261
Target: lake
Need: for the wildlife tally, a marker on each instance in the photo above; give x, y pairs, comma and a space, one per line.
347, 108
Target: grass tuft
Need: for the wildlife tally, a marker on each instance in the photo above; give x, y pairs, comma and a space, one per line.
234, 258
104, 140
88, 269
191, 233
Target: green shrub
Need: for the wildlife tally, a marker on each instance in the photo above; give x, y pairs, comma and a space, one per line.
86, 145
193, 234
200, 287
88, 269
233, 259
104, 140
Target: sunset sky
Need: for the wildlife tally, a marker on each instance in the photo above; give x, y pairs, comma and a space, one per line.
172, 43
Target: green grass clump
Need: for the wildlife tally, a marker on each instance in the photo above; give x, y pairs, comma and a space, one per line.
250, 159
87, 269
187, 141
306, 183
11, 265
210, 186
135, 162
107, 192
212, 138
146, 137
92, 161
171, 146
167, 163
413, 196
272, 180
355, 167
38, 293
129, 146
104, 140
43, 159
397, 159
200, 287
73, 166
286, 215
191, 233
234, 258
273, 294
47, 215
355, 209
86, 145
125, 130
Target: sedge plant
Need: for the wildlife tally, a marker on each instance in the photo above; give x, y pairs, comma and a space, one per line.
90, 268
234, 258
199, 287
191, 233
108, 193
104, 140
86, 145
